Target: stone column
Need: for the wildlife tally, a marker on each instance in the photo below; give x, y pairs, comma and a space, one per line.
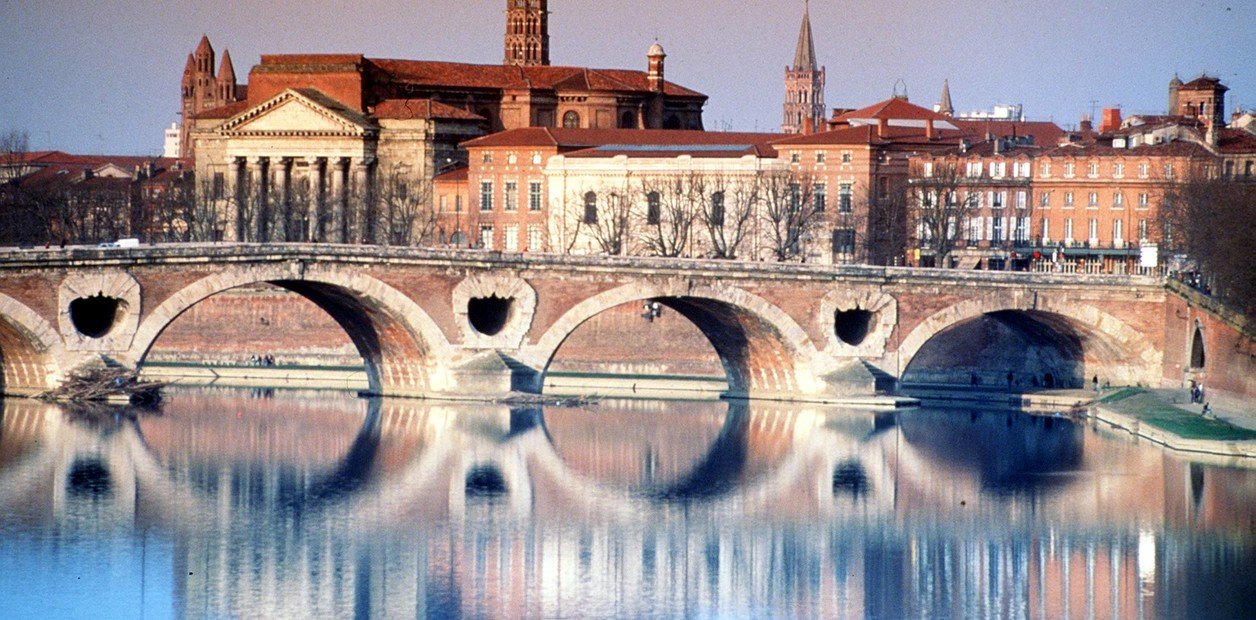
259, 171
365, 218
240, 195
339, 172
313, 223
285, 200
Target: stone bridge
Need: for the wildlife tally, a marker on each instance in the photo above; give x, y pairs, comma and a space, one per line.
470, 324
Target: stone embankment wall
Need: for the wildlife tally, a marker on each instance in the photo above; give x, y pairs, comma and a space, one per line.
267, 320
1229, 341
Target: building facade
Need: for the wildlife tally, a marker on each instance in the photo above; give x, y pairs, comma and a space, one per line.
343, 148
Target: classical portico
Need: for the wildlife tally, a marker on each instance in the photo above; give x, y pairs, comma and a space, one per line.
302, 168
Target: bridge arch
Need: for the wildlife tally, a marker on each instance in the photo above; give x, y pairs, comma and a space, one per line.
396, 337
27, 346
1099, 343
762, 349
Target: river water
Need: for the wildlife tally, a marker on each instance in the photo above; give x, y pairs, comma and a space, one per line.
288, 504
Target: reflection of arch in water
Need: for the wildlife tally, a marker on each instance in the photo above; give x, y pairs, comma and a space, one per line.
986, 339
764, 352
395, 336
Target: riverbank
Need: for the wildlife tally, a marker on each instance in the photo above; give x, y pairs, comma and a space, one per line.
1166, 417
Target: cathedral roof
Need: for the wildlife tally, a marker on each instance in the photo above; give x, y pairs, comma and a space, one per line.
407, 109
439, 74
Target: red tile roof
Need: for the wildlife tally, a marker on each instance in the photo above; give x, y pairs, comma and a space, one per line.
453, 176
893, 108
565, 138
1236, 141
438, 74
407, 109
224, 112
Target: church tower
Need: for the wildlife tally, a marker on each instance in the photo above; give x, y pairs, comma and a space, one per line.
804, 84
527, 33
202, 89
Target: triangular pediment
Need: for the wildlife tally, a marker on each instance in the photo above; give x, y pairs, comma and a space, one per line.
294, 112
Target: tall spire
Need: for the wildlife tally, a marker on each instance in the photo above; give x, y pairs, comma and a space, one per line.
805, 53
226, 72
945, 106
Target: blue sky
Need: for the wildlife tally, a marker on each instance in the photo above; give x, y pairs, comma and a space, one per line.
103, 76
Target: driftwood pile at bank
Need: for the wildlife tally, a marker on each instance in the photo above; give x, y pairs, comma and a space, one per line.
107, 383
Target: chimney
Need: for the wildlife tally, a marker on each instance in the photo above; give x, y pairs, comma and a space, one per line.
883, 127
930, 131
1085, 126
656, 56
1111, 120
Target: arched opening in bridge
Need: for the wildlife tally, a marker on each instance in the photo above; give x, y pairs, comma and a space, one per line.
852, 326
95, 316
24, 364
489, 315
325, 335
1014, 350
640, 345
1197, 349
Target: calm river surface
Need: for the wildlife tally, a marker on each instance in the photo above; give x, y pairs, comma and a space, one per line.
281, 504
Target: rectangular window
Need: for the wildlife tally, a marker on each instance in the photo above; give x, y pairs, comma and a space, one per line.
844, 198
996, 199
1069, 169
487, 158
486, 237
844, 241
821, 198
1118, 232
820, 157
998, 169
795, 157
534, 196
458, 203
1093, 231
926, 169
512, 238
1092, 170
996, 234
219, 185
1142, 230
653, 209
444, 203
1022, 199
845, 157
795, 197
590, 208
1068, 230
1168, 171
1022, 229
1143, 170
1118, 171
1093, 200
1143, 201
534, 238
1046, 231
974, 169
974, 230
1045, 200
1118, 200
486, 195
1045, 169
510, 191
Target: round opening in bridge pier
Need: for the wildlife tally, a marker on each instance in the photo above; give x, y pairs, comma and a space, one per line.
852, 326
95, 316
489, 315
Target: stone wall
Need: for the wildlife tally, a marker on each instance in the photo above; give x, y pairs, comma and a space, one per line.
1229, 344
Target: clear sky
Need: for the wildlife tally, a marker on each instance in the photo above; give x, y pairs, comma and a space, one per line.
102, 76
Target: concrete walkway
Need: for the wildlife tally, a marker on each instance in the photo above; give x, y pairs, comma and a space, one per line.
1236, 410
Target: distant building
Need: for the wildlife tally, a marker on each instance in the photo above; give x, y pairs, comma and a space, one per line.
310, 149
171, 144
1202, 98
804, 84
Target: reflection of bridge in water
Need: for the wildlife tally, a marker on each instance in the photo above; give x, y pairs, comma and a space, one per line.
629, 509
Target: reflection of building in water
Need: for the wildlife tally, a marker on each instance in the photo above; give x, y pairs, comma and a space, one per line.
933, 515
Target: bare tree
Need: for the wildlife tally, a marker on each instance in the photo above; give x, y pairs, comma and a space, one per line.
790, 214
938, 207
727, 212
607, 216
670, 210
1210, 220
406, 214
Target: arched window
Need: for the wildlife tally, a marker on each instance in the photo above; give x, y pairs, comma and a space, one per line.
628, 120
717, 209
590, 208
1197, 349
571, 120
653, 208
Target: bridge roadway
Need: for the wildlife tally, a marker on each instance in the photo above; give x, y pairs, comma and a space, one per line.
472, 324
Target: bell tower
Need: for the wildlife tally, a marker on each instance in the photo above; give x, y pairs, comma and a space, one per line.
527, 33
804, 84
